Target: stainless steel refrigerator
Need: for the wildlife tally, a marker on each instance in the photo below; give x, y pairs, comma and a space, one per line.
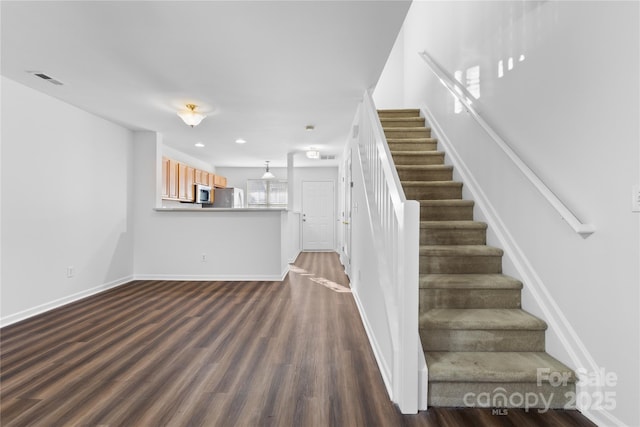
228, 198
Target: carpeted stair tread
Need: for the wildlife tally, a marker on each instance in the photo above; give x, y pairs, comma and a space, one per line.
399, 112
480, 319
460, 250
431, 183
423, 167
447, 203
403, 121
408, 128
468, 281
433, 190
407, 132
492, 366
423, 157
456, 225
416, 153
412, 140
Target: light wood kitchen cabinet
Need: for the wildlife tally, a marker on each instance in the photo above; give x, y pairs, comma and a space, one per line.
219, 181
165, 178
186, 175
169, 178
178, 180
201, 177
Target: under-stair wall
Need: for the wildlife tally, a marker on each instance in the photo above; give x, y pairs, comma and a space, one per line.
383, 261
573, 120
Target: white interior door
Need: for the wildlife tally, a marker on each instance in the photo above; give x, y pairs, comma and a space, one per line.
318, 222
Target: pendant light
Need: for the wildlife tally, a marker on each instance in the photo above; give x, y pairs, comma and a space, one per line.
190, 116
267, 174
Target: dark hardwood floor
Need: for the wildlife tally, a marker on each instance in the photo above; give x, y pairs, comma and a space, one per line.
156, 353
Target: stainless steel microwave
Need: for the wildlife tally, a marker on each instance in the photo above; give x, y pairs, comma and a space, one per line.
203, 194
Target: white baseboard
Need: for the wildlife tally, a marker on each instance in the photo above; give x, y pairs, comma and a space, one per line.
25, 314
294, 257
603, 418
556, 320
30, 312
382, 363
214, 277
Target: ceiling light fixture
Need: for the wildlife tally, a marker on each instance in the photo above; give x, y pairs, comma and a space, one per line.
199, 144
309, 128
312, 153
267, 174
240, 141
190, 116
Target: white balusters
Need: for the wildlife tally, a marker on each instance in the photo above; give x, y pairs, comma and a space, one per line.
397, 223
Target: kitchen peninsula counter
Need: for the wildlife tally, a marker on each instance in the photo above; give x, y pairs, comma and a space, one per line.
175, 209
217, 244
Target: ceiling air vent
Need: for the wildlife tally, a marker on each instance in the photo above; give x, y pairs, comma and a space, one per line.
46, 77
327, 157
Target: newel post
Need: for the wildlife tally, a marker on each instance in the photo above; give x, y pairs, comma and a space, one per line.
408, 292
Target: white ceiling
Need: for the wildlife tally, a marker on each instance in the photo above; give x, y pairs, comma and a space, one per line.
261, 70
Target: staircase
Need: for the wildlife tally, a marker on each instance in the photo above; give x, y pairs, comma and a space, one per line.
481, 348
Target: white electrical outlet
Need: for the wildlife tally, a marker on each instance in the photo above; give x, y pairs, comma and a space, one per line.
203, 258
70, 271
635, 198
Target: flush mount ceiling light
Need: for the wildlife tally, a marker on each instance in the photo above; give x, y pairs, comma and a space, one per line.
312, 153
267, 174
240, 141
199, 144
309, 128
190, 116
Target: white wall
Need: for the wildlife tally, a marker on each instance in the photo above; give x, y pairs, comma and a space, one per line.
66, 201
174, 154
389, 91
570, 108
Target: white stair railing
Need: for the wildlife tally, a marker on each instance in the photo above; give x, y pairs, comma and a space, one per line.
465, 98
397, 228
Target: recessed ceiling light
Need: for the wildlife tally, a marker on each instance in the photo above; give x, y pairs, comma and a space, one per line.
309, 128
240, 141
199, 144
